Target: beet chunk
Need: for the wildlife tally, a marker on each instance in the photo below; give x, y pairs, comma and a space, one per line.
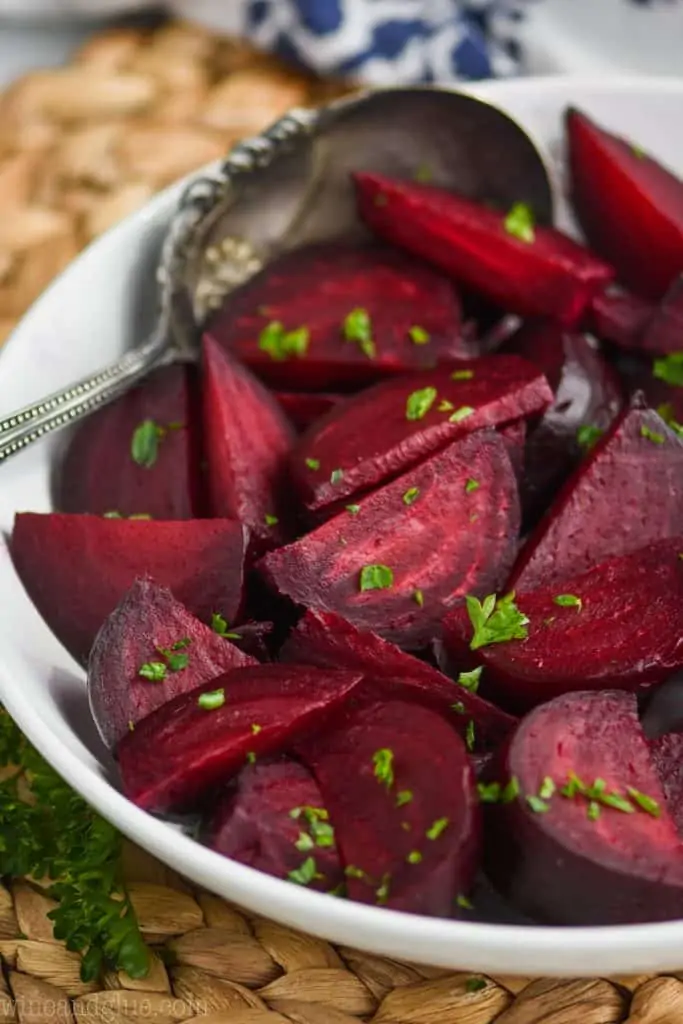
147, 621
358, 312
667, 756
199, 739
274, 820
389, 428
587, 394
619, 625
138, 455
626, 494
304, 408
76, 569
396, 562
628, 204
576, 859
329, 641
399, 788
621, 318
247, 441
546, 274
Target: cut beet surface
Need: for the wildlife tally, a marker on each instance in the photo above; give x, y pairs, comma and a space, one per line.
627, 493
76, 569
353, 314
577, 859
514, 436
394, 563
304, 408
139, 455
667, 756
149, 650
619, 625
247, 439
621, 318
273, 819
664, 332
537, 272
627, 204
182, 750
399, 787
389, 428
329, 641
587, 394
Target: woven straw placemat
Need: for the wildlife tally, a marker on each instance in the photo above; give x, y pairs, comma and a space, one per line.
80, 148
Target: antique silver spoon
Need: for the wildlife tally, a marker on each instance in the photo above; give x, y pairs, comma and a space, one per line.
291, 186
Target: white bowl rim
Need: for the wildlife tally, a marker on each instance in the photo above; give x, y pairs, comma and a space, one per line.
488, 948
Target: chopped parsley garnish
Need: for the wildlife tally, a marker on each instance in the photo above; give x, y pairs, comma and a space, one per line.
313, 463
304, 843
459, 708
469, 735
419, 403
358, 328
140, 516
271, 520
305, 874
211, 701
568, 601
280, 344
155, 671
471, 486
520, 223
537, 805
460, 414
494, 793
495, 620
176, 660
462, 375
463, 903
403, 797
336, 476
436, 830
445, 406
470, 680
667, 413
414, 857
418, 335
353, 509
251, 757
220, 626
383, 766
670, 369
418, 598
593, 811
256, 728
112, 515
376, 577
651, 435
547, 788
144, 446
646, 803
510, 791
309, 813
382, 892
475, 984
588, 436
322, 833
411, 495
351, 871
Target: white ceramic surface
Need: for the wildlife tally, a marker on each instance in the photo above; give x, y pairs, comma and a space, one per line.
104, 301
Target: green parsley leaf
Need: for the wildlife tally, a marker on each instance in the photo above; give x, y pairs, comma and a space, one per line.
304, 843
251, 757
437, 829
588, 436
351, 871
463, 903
419, 598
445, 406
470, 680
144, 446
471, 486
112, 515
670, 369
353, 509
667, 413
568, 601
616, 801
358, 328
376, 577
211, 701
281, 344
651, 435
510, 791
475, 984
271, 520
547, 789
155, 671
336, 476
309, 813
256, 728
323, 833
140, 516
305, 874
646, 803
489, 792
219, 625
537, 805
411, 495
459, 708
461, 414
462, 375
469, 735
414, 857
313, 463
382, 892
495, 621
593, 812
176, 662
420, 402
418, 335
383, 764
404, 797
520, 223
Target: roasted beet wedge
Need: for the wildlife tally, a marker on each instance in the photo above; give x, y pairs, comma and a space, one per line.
667, 755
139, 455
355, 315
274, 819
186, 747
626, 494
247, 441
399, 787
76, 569
588, 839
627, 204
664, 332
621, 318
389, 428
587, 394
514, 436
329, 641
149, 650
525, 270
394, 563
304, 408
619, 625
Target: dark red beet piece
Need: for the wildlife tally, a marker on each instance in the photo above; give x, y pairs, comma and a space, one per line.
514, 436
100, 474
576, 861
624, 630
627, 493
621, 318
667, 756
587, 393
317, 288
628, 204
247, 439
329, 641
413, 548
664, 332
371, 438
257, 823
304, 408
76, 569
551, 275
389, 766
148, 618
183, 749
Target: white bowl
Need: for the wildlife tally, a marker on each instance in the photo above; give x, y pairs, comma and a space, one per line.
103, 302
